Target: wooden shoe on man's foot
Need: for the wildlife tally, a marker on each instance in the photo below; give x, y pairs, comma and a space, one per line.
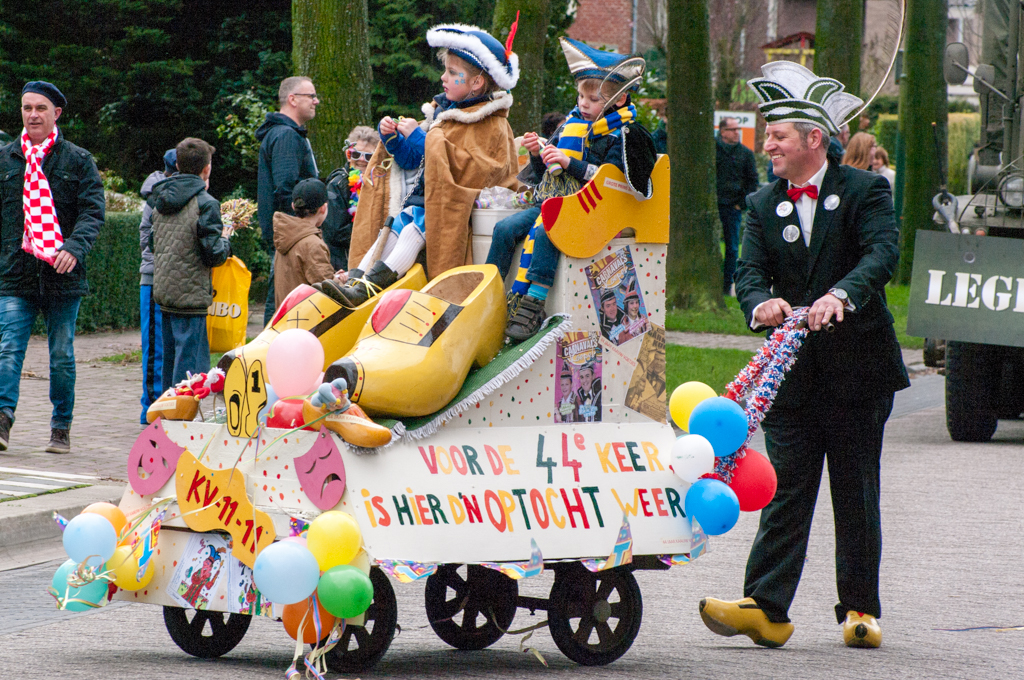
861, 630
743, 617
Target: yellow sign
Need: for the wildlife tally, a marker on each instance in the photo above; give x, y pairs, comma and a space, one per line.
216, 500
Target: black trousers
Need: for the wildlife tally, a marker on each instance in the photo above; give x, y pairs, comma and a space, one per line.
798, 442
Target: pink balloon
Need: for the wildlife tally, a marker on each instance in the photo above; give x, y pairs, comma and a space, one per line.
295, 361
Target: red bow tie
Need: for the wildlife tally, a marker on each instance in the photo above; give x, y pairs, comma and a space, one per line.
796, 192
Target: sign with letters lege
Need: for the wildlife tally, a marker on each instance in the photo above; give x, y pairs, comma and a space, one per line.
967, 288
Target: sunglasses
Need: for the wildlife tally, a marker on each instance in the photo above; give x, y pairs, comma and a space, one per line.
354, 155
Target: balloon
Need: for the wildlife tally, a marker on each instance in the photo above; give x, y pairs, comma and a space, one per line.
754, 481
295, 360
345, 591
268, 407
125, 565
692, 457
684, 398
113, 514
292, 617
93, 592
334, 539
90, 536
713, 504
286, 414
722, 422
286, 572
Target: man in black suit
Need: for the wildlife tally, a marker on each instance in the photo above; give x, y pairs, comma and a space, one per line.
823, 236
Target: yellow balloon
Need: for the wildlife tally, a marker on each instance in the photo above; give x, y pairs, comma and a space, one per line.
125, 565
683, 400
334, 539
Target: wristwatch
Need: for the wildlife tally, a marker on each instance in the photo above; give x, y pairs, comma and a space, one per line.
840, 295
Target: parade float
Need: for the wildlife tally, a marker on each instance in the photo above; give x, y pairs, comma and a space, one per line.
403, 440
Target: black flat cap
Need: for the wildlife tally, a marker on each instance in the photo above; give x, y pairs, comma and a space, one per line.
48, 90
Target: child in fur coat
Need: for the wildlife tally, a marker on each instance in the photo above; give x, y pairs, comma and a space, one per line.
427, 175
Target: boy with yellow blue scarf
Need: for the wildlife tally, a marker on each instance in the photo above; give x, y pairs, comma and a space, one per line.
596, 132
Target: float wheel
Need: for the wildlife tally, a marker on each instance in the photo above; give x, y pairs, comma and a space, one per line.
205, 634
594, 617
361, 647
471, 611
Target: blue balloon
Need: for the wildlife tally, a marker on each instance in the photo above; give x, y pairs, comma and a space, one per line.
272, 397
92, 592
90, 536
713, 504
722, 422
286, 572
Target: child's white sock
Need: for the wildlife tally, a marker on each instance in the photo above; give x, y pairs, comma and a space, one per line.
403, 255
389, 246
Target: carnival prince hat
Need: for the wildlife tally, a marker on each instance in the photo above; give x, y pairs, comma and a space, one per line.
479, 48
586, 63
791, 93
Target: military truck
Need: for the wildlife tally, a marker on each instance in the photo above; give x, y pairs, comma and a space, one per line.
968, 277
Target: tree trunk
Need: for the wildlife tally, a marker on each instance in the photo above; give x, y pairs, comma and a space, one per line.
694, 260
922, 102
529, 42
330, 44
837, 42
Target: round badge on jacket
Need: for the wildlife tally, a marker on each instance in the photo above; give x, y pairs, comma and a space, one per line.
832, 202
784, 209
791, 233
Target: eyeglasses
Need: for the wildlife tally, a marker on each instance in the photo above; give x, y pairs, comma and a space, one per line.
311, 95
735, 129
354, 155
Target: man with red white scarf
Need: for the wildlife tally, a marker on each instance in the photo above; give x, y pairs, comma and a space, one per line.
52, 211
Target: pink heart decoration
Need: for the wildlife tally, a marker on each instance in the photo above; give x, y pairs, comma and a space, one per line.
321, 471
156, 455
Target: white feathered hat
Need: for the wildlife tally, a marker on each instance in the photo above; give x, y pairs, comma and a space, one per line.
791, 93
479, 48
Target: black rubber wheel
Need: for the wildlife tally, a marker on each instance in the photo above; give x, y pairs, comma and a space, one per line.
206, 634
1011, 389
361, 647
471, 611
934, 353
594, 618
973, 377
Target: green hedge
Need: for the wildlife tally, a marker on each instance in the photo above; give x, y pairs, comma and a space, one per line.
964, 133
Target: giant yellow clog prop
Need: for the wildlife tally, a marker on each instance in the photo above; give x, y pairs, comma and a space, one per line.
337, 327
414, 354
581, 224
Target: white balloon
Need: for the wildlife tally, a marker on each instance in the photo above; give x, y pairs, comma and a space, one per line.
692, 457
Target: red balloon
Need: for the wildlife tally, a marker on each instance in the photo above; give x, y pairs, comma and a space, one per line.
754, 481
286, 414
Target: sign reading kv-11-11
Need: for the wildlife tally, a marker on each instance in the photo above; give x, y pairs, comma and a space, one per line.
967, 288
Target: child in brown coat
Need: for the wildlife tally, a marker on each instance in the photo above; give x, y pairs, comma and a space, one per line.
302, 256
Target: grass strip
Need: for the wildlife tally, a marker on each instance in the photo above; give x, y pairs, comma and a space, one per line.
713, 367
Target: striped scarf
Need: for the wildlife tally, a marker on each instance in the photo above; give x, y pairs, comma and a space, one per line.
577, 132
42, 236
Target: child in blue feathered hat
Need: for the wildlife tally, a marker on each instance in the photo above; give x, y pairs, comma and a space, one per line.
601, 129
426, 175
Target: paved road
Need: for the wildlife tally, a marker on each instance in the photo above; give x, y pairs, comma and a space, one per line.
953, 548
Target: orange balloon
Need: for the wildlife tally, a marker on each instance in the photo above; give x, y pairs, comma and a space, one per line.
111, 512
293, 614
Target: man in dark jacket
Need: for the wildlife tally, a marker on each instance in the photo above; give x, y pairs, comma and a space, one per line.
187, 242
285, 158
42, 252
737, 177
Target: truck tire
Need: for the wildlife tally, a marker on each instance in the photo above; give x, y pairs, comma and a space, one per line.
934, 353
1011, 391
973, 378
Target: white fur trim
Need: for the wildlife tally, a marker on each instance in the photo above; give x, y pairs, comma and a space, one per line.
444, 35
500, 100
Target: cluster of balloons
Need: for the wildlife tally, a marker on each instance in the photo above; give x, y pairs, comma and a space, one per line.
716, 427
99, 538
317, 567
295, 364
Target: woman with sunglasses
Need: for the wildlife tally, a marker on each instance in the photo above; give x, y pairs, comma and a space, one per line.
343, 185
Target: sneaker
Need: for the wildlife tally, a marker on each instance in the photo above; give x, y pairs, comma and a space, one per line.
528, 319
743, 617
60, 441
5, 430
512, 301
861, 630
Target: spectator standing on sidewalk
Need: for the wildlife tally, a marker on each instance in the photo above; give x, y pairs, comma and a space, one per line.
152, 335
737, 178
53, 208
285, 158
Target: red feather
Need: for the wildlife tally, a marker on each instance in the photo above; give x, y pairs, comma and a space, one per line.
511, 36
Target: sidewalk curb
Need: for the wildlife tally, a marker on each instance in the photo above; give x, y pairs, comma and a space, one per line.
27, 525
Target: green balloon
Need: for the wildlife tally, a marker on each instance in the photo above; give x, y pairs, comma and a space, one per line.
345, 591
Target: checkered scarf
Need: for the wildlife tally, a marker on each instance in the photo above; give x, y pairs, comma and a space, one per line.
42, 232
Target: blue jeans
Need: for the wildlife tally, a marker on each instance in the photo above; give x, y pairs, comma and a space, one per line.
17, 315
152, 349
186, 347
730, 217
513, 229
